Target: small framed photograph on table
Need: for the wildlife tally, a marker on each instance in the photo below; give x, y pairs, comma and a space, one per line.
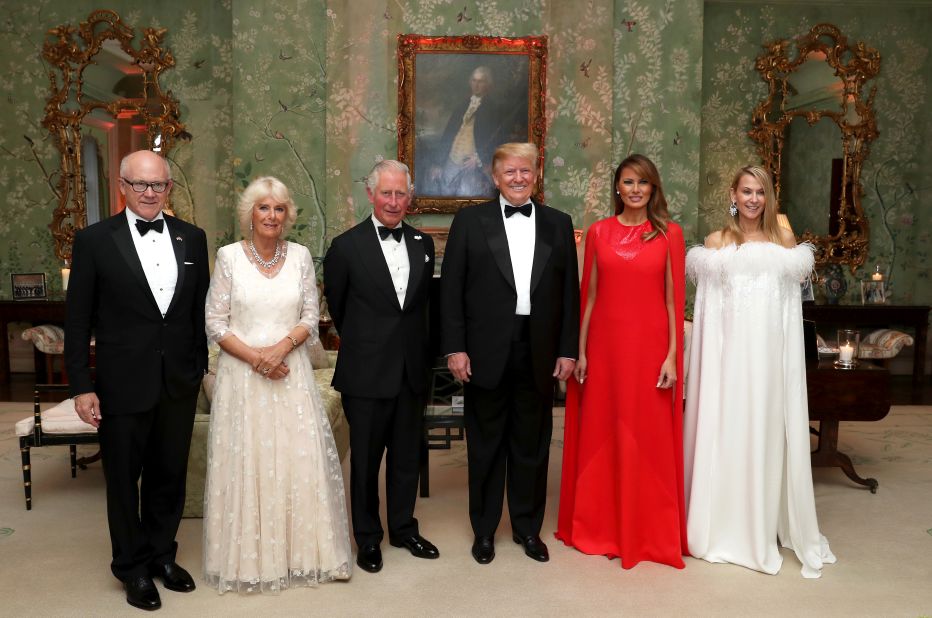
873, 293
29, 286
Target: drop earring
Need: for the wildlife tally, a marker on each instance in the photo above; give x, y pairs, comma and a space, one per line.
733, 209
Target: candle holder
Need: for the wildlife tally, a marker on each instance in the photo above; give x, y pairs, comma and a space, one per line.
849, 343
65, 275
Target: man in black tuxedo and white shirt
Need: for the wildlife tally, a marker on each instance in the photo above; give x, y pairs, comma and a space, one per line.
510, 320
138, 283
377, 279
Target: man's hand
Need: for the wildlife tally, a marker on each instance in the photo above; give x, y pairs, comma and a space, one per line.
88, 408
459, 366
564, 368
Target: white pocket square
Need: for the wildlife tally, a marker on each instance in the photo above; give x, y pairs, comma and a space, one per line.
189, 263
426, 258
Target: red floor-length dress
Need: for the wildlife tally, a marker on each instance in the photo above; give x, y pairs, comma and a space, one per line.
621, 492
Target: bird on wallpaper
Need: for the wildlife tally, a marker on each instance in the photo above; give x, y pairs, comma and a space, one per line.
584, 67
461, 16
676, 138
198, 63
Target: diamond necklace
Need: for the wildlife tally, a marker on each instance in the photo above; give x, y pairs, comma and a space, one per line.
264, 263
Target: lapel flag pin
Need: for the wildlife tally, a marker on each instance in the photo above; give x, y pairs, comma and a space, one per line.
417, 237
178, 238
426, 258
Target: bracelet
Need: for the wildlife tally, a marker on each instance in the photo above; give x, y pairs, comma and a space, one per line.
294, 341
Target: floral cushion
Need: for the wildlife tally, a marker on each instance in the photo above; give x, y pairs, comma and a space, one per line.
47, 338
60, 419
883, 343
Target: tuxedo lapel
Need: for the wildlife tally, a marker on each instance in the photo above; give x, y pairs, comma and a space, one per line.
416, 256
177, 240
494, 228
370, 252
123, 239
543, 246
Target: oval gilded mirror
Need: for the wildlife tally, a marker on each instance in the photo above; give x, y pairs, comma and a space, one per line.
105, 102
813, 132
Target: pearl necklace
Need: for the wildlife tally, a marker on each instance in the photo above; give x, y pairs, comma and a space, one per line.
270, 263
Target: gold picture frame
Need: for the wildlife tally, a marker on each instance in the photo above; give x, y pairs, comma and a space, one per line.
437, 88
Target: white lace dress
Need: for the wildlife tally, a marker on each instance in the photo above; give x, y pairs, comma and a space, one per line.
746, 426
275, 513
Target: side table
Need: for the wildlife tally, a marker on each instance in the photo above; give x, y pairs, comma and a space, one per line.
858, 394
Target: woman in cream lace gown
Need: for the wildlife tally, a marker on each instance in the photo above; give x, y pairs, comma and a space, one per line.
746, 430
275, 513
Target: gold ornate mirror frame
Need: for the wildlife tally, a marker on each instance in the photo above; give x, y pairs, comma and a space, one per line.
853, 64
69, 52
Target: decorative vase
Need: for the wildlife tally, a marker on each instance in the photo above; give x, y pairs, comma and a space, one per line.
835, 284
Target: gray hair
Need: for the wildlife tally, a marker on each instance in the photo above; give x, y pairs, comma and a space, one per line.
259, 189
386, 165
486, 72
124, 164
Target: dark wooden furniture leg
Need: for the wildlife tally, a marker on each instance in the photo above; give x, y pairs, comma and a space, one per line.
827, 454
424, 480
27, 472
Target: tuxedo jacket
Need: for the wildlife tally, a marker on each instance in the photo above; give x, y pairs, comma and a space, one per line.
379, 339
478, 294
137, 350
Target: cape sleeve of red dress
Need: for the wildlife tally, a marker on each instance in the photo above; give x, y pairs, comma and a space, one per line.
571, 415
677, 248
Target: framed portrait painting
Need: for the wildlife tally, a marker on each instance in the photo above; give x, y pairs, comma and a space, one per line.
459, 98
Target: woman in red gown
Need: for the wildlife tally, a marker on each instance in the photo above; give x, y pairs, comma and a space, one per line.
621, 492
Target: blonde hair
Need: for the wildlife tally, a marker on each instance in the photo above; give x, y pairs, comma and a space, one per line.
258, 190
657, 212
521, 150
770, 226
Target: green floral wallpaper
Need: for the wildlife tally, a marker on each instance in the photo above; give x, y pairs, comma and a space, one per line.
199, 37
306, 90
897, 185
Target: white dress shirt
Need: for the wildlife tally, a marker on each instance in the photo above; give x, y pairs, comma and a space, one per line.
396, 256
158, 260
521, 234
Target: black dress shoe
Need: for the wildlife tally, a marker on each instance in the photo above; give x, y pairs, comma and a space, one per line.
417, 545
173, 576
533, 547
369, 558
142, 593
483, 549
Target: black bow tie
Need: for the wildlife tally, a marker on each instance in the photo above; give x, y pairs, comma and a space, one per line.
144, 226
524, 210
395, 233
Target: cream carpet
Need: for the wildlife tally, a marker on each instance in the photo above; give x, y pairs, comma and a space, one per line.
54, 559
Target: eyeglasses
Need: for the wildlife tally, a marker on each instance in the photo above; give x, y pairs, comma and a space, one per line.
140, 186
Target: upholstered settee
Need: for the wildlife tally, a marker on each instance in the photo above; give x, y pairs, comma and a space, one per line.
323, 362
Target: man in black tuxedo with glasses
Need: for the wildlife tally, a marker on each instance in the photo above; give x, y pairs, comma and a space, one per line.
377, 282
138, 284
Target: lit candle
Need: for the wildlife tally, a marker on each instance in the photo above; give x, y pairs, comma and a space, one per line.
877, 277
846, 353
65, 275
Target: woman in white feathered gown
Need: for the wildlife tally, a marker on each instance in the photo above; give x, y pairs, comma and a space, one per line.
746, 429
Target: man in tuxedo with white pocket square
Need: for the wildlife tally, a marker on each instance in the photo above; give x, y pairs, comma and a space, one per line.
377, 282
138, 284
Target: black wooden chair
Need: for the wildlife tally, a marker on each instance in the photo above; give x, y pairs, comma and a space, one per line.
56, 426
